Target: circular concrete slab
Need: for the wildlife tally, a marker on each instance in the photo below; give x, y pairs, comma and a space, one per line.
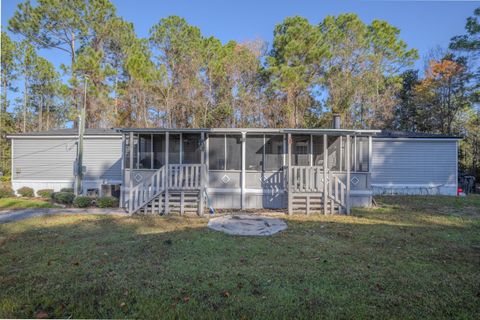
247, 225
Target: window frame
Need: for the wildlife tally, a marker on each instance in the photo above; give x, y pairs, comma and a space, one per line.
225, 158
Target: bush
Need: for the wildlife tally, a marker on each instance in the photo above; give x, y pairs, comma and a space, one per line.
5, 178
69, 190
107, 202
45, 193
6, 192
82, 202
63, 197
26, 192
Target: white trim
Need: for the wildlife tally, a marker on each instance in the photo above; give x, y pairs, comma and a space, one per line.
430, 185
63, 137
416, 139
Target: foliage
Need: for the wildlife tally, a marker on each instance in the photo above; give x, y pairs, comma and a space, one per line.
26, 192
416, 253
6, 191
45, 193
69, 190
9, 203
82, 202
107, 202
63, 197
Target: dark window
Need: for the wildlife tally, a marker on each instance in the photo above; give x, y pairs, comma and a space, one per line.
301, 150
273, 152
191, 148
145, 151
158, 151
216, 152
254, 152
234, 152
317, 150
174, 149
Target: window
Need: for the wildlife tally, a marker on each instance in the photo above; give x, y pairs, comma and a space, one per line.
158, 151
191, 148
334, 153
273, 152
234, 152
216, 152
301, 150
362, 154
317, 150
174, 149
254, 152
145, 151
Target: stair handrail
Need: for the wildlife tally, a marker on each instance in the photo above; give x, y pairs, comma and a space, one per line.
144, 192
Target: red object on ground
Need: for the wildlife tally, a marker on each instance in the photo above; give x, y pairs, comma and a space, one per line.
459, 190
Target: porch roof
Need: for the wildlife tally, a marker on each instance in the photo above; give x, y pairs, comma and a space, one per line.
255, 130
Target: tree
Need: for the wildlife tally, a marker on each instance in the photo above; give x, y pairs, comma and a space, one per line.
294, 66
362, 72
27, 59
443, 94
9, 74
406, 112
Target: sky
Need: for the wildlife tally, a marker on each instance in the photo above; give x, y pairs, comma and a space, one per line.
424, 25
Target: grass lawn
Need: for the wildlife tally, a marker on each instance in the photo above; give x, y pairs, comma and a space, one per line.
24, 203
412, 257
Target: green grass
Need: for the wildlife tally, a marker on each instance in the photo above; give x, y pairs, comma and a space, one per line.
411, 257
23, 203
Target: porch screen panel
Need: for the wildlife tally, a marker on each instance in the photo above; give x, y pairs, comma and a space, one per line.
317, 150
234, 152
158, 151
362, 154
301, 150
216, 152
191, 148
334, 153
174, 149
254, 152
273, 152
145, 151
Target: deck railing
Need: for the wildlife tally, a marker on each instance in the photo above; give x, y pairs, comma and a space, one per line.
184, 176
144, 192
311, 179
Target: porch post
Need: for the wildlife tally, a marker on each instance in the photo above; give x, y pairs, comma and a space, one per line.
203, 175
369, 175
130, 189
122, 188
167, 176
325, 167
244, 142
348, 174
289, 174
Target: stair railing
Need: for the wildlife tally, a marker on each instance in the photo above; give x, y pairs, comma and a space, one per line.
144, 192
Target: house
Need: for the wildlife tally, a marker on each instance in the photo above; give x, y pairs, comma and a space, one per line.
164, 170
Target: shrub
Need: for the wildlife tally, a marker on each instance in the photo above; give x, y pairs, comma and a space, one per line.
69, 190
5, 178
6, 191
45, 193
107, 202
63, 197
82, 202
26, 192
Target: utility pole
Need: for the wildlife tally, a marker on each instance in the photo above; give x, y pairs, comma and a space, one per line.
81, 132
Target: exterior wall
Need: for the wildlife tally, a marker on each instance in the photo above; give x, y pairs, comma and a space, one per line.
414, 166
47, 162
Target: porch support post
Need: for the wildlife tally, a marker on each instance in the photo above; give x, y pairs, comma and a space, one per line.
289, 174
244, 142
167, 175
369, 175
203, 175
325, 167
130, 188
122, 188
348, 174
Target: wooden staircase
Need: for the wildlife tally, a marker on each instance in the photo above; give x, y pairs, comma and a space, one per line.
176, 188
311, 189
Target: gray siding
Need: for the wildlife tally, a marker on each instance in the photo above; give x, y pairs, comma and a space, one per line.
47, 159
414, 162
